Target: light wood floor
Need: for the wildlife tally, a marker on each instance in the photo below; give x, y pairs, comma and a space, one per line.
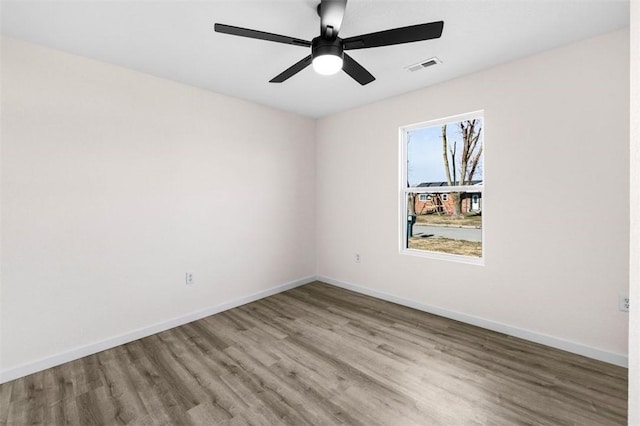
322, 355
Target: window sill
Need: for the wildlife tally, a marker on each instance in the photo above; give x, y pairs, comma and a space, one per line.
444, 256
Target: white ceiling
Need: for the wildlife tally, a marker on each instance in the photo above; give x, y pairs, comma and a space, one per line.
175, 40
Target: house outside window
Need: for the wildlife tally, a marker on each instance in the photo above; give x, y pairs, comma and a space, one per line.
442, 187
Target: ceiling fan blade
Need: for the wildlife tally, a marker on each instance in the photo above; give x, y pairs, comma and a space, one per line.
261, 35
292, 70
395, 36
356, 71
331, 15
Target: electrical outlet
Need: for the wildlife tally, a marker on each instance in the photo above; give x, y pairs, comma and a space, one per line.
357, 258
189, 278
623, 303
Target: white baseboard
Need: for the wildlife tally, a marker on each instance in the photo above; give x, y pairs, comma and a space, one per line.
555, 342
93, 348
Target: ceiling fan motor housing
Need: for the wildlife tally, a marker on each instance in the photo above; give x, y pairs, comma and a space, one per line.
321, 46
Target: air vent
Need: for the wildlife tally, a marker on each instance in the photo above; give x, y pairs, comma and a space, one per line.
423, 64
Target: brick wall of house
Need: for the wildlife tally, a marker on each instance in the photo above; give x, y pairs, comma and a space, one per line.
436, 204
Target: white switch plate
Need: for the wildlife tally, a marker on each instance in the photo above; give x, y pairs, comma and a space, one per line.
189, 278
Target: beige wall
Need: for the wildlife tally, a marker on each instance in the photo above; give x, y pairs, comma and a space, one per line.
556, 196
115, 183
634, 319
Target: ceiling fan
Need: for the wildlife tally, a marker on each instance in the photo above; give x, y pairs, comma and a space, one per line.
327, 50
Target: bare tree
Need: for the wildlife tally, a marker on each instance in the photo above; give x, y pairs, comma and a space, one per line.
461, 171
411, 201
411, 212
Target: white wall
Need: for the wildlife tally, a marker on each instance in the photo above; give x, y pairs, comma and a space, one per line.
634, 270
115, 183
556, 211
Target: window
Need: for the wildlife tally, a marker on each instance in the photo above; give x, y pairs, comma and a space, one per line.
443, 161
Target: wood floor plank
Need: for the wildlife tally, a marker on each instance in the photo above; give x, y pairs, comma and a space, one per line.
264, 405
218, 399
322, 355
122, 385
292, 400
208, 414
158, 397
5, 400
63, 412
93, 408
178, 382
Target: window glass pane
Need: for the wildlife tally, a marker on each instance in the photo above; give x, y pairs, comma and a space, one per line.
445, 154
438, 156
432, 225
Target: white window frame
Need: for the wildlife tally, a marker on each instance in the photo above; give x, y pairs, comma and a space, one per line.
426, 198
404, 191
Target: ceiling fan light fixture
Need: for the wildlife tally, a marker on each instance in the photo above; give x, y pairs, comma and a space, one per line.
327, 64
327, 55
